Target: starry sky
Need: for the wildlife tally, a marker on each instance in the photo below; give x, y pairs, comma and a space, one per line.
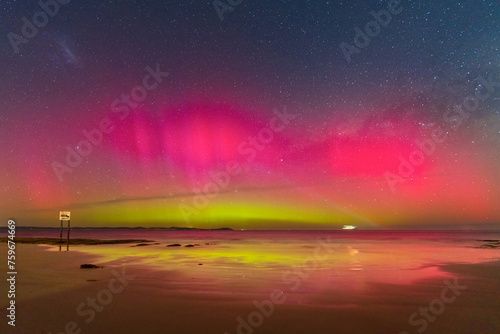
251, 114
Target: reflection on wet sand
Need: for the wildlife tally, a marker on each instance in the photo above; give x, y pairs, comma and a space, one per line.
328, 263
300, 283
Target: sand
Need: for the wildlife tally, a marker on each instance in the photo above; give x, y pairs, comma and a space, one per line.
204, 293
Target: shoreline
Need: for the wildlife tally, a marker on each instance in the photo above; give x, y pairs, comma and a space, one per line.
64, 241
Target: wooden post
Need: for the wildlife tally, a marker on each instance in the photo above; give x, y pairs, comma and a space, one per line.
64, 215
60, 235
69, 228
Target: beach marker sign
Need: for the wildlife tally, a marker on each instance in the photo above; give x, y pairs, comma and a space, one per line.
64, 216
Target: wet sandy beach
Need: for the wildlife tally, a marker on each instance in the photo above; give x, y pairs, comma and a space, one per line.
270, 284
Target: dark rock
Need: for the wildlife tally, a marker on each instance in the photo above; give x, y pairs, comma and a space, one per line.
174, 245
89, 266
490, 246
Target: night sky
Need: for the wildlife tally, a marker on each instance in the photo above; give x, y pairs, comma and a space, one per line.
255, 115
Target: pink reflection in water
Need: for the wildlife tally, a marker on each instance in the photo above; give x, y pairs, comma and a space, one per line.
293, 262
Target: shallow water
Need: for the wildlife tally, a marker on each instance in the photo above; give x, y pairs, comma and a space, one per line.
251, 260
327, 281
